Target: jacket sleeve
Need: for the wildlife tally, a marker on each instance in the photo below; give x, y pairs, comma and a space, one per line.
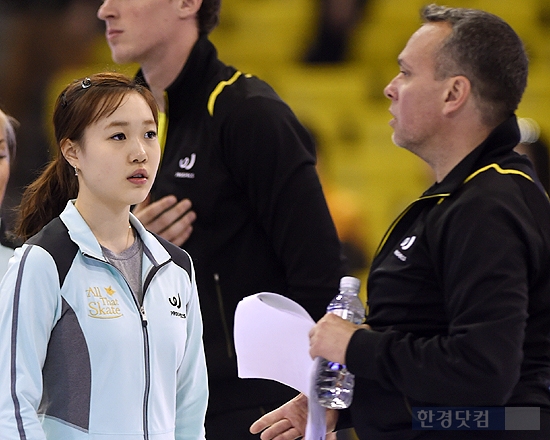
192, 380
272, 157
29, 307
483, 252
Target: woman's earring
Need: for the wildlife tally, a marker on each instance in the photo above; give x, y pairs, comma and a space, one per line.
75, 171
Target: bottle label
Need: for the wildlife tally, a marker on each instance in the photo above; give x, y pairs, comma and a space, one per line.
344, 314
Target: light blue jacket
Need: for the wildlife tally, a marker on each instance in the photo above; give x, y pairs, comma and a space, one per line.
80, 360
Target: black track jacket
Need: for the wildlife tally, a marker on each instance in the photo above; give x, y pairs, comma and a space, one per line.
238, 152
459, 297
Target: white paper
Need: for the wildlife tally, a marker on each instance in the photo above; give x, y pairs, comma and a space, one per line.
271, 335
272, 340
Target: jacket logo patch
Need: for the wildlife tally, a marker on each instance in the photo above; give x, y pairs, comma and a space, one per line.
186, 164
100, 306
405, 245
408, 242
176, 302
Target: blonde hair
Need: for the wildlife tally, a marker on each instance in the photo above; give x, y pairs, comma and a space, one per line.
10, 125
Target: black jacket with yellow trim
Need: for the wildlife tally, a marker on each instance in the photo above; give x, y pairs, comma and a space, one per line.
238, 152
459, 297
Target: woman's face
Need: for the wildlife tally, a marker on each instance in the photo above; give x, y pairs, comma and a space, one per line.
120, 156
4, 160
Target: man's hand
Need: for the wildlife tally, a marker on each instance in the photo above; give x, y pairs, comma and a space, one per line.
288, 422
329, 338
168, 218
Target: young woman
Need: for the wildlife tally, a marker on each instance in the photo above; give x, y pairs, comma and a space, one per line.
7, 153
100, 326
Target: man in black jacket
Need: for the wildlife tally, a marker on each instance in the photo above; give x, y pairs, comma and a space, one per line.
237, 153
459, 289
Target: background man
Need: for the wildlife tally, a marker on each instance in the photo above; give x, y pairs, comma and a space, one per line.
236, 152
459, 289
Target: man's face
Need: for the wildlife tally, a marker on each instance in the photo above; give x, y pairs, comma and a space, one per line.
138, 30
417, 97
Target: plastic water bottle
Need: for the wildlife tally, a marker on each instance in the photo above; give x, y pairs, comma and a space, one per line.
334, 383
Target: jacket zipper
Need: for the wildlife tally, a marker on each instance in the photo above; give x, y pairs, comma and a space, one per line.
228, 338
146, 353
147, 373
146, 348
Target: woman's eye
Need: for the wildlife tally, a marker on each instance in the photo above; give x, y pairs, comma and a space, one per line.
151, 134
119, 137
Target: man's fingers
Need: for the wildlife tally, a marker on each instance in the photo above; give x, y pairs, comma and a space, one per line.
281, 431
287, 422
147, 211
164, 214
173, 216
179, 232
263, 422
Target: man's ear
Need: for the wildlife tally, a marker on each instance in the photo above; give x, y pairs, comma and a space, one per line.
188, 8
458, 93
70, 151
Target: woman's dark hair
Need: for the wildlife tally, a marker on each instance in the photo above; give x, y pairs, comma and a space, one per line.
82, 103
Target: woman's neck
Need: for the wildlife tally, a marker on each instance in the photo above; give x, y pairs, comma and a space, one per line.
111, 227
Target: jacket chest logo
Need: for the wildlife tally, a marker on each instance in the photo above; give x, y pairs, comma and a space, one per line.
405, 245
175, 301
102, 304
185, 165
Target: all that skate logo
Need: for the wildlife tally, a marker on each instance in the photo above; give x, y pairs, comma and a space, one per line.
102, 304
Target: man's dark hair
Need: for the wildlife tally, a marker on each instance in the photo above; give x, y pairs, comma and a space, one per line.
209, 16
486, 50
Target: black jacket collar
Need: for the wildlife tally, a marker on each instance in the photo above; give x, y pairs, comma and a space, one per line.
184, 91
499, 143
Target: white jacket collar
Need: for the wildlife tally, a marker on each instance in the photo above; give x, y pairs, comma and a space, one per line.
82, 235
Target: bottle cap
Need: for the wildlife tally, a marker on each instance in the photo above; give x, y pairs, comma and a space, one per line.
351, 283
